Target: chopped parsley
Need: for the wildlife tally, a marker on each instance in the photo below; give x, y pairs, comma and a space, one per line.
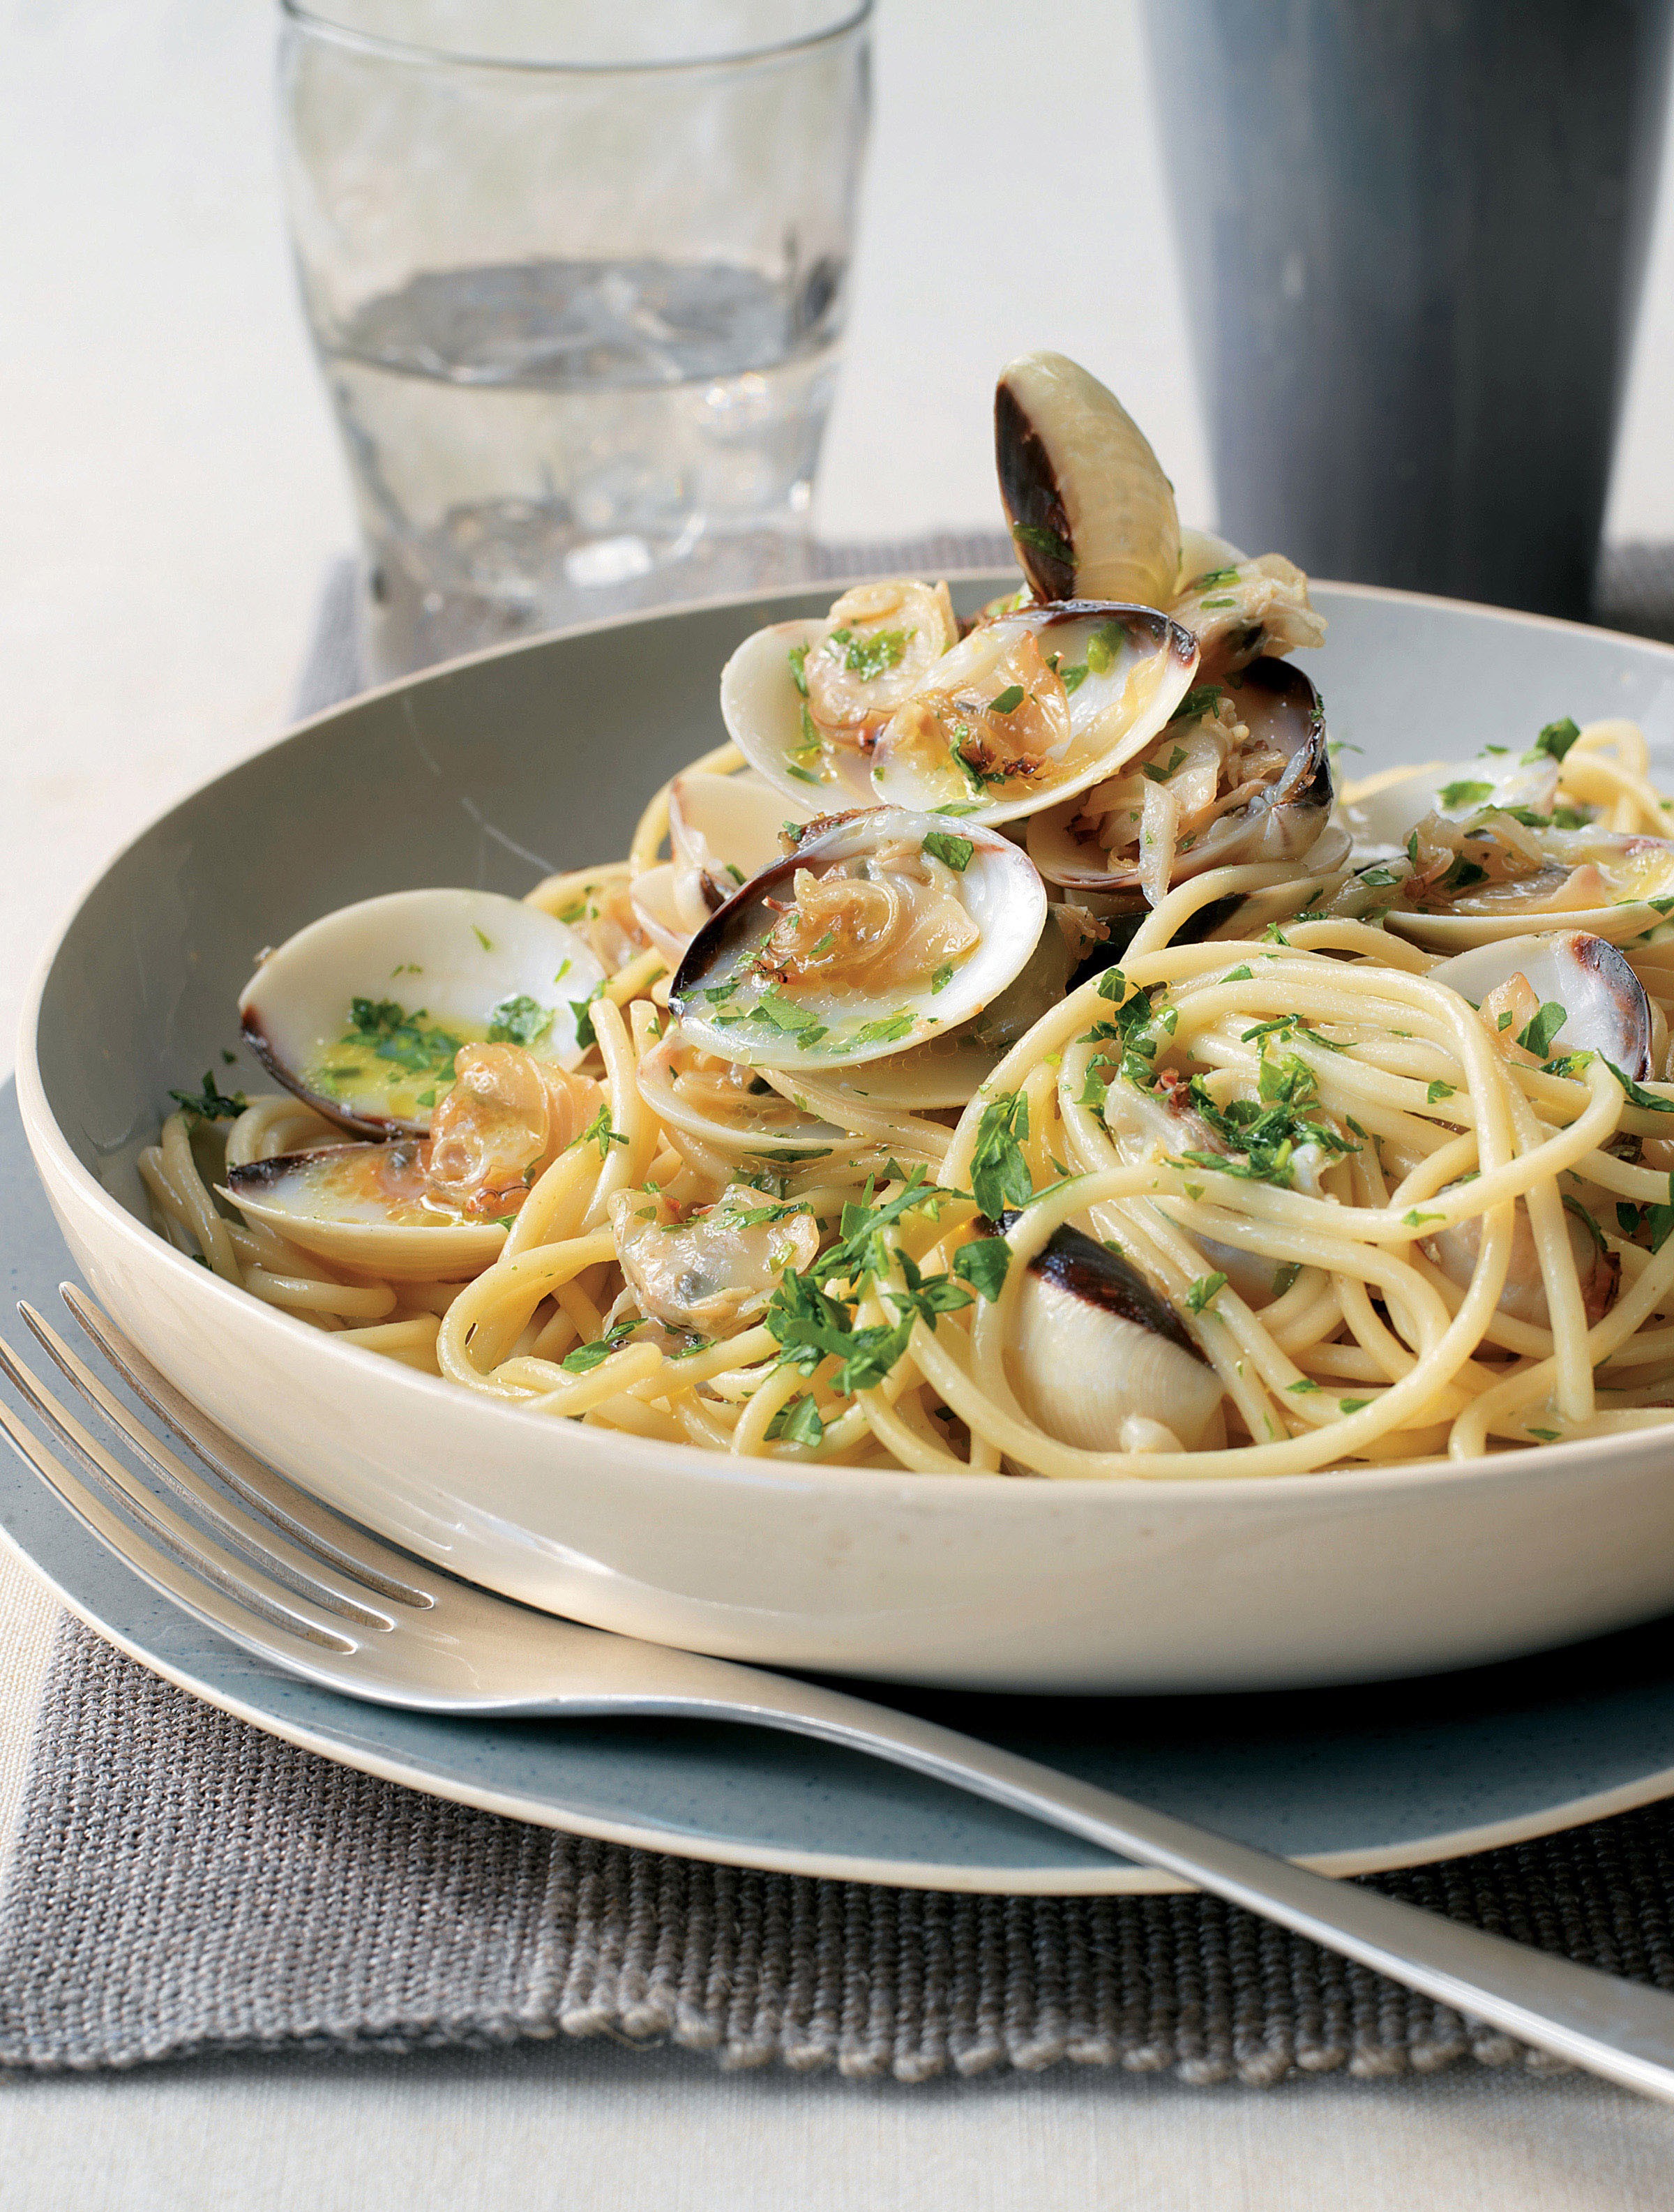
1537, 1036
394, 1034
868, 657
1647, 1100
983, 1263
942, 978
1269, 1131
1210, 578
586, 1034
210, 1105
520, 1021
1007, 702
888, 1031
1153, 774
586, 1356
1439, 1090
953, 851
1105, 646
1202, 699
798, 1422
1465, 793
797, 657
1038, 540
598, 1132
1555, 740
1203, 1292
1000, 1173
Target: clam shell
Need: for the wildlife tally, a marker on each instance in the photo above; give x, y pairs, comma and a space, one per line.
1092, 514
459, 957
1607, 1010
1283, 822
1114, 712
364, 1207
1381, 812
723, 829
998, 887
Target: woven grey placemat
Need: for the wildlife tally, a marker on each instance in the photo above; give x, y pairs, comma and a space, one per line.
183, 1883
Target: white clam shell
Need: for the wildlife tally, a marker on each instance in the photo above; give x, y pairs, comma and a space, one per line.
1284, 823
1091, 512
347, 1204
1381, 812
998, 888
457, 955
723, 829
1114, 712
1606, 1009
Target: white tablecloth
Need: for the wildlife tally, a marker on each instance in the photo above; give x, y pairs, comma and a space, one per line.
172, 497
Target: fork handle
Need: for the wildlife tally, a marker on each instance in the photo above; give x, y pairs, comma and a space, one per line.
1622, 2030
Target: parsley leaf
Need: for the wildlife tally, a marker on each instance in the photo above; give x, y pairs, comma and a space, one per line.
1007, 702
586, 1034
797, 657
210, 1105
1205, 1292
1637, 1097
1465, 793
1555, 740
520, 1021
797, 1421
598, 1132
1000, 1173
955, 851
1537, 1036
1041, 540
983, 1263
586, 1356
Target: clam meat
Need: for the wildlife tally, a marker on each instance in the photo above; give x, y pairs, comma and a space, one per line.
364, 1012
1241, 774
723, 831
431, 1207
883, 929
712, 1272
1029, 707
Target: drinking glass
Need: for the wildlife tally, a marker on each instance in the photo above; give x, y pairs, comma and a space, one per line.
577, 277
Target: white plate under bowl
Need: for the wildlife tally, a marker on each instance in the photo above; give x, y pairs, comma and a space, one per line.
492, 771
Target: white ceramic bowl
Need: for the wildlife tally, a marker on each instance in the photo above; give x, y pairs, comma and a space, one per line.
491, 771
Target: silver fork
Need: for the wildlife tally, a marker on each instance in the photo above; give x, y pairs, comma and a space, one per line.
254, 1558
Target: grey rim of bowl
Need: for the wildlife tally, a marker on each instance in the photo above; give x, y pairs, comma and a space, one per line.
320, 26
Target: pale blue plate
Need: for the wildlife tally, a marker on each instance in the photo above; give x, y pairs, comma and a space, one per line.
1389, 1774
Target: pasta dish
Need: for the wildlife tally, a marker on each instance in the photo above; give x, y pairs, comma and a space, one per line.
1012, 1053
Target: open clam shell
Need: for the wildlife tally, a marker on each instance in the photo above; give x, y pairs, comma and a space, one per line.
1281, 820
1381, 812
1603, 883
723, 829
1092, 514
367, 1208
1606, 1008
880, 931
1101, 679
362, 1012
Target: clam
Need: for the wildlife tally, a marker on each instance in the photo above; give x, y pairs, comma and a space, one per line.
1495, 876
1085, 1313
951, 1067
434, 1208
882, 930
1604, 1006
1242, 608
723, 829
362, 1012
1381, 812
715, 1270
1030, 707
367, 1208
1092, 514
1240, 774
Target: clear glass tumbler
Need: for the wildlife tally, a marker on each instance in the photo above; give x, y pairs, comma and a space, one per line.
577, 276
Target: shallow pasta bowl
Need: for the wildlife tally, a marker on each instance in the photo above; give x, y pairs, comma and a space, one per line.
497, 769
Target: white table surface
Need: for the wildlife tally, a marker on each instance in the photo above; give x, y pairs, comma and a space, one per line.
171, 494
